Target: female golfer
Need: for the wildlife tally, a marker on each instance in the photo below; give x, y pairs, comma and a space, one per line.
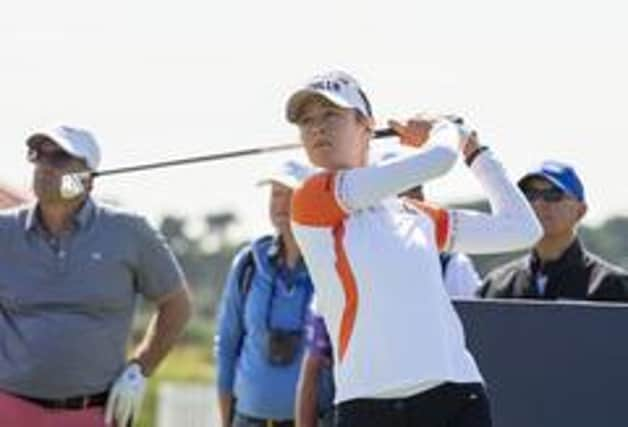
399, 346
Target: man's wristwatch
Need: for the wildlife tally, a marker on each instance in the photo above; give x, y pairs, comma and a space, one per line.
138, 363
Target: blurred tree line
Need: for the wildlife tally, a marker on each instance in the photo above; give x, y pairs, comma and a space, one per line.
206, 257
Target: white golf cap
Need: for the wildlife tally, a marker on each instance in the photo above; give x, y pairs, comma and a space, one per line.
337, 87
77, 142
290, 173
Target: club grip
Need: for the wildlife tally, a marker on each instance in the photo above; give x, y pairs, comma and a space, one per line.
388, 132
384, 133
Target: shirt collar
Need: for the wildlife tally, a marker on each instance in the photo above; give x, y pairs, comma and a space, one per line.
571, 257
85, 214
273, 252
81, 218
274, 248
31, 217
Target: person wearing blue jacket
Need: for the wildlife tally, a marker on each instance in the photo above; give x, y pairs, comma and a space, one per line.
259, 342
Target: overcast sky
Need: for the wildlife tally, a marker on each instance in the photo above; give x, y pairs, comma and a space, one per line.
161, 80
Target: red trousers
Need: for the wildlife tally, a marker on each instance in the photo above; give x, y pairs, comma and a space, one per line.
16, 412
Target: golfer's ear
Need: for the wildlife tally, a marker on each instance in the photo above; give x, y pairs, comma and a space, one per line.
368, 122
582, 210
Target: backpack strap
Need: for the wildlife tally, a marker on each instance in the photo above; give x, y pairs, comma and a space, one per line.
246, 267
247, 270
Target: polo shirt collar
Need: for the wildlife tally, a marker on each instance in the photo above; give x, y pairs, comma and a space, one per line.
81, 219
31, 217
571, 257
85, 214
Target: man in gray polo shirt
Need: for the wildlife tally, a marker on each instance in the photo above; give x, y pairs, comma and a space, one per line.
71, 270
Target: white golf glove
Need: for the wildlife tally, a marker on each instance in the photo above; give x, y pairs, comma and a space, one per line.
125, 397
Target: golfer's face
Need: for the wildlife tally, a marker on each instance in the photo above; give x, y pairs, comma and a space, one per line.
51, 163
332, 136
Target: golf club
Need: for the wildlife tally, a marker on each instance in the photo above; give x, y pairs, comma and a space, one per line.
379, 133
72, 184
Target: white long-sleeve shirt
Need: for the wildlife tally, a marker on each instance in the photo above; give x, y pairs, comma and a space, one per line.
374, 262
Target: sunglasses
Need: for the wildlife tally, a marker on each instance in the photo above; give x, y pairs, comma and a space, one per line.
549, 195
56, 158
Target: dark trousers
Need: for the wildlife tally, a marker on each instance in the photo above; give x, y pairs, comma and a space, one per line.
448, 405
326, 419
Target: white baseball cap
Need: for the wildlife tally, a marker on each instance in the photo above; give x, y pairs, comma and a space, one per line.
290, 173
338, 87
77, 142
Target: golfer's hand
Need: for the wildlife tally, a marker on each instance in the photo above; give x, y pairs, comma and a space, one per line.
470, 144
415, 132
125, 397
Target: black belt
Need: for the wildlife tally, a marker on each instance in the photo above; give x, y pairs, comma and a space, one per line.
260, 422
75, 403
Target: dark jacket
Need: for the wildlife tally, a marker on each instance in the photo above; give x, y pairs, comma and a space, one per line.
576, 275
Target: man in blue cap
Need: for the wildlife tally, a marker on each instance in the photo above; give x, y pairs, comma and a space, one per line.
558, 266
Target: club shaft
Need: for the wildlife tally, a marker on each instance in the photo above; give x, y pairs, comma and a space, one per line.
379, 133
197, 159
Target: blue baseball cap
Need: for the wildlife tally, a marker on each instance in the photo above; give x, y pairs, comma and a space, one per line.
558, 174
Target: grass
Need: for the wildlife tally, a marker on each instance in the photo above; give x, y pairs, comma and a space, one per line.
184, 363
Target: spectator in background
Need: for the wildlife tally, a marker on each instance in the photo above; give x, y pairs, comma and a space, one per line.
260, 339
558, 267
318, 359
71, 271
459, 275
460, 280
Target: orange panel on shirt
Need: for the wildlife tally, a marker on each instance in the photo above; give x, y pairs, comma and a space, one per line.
440, 217
315, 203
350, 289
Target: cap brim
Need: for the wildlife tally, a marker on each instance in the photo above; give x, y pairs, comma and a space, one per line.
297, 100
547, 178
63, 143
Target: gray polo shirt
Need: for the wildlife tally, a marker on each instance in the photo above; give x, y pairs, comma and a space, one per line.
66, 304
